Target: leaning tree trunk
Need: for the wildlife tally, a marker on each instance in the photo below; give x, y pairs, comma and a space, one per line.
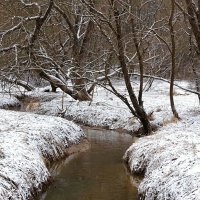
140, 112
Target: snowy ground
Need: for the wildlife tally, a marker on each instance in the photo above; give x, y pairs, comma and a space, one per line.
170, 162
27, 143
169, 159
106, 110
7, 101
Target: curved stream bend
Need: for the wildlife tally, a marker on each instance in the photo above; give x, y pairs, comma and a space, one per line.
97, 174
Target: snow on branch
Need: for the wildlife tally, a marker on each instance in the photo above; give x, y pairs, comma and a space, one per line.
167, 81
24, 84
31, 4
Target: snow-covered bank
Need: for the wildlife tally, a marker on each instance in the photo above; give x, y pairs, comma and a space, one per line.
105, 110
27, 143
170, 161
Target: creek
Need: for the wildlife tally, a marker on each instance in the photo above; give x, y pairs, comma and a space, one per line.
97, 174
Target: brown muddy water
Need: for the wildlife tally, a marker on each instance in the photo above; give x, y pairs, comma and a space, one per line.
97, 174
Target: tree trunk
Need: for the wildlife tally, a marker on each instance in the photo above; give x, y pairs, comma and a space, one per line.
78, 52
53, 87
140, 59
58, 83
194, 19
173, 63
141, 114
196, 81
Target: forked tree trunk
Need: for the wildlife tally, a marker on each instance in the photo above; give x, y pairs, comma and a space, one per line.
140, 112
78, 52
77, 95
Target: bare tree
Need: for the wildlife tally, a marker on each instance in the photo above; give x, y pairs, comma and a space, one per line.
194, 18
170, 43
73, 45
191, 14
110, 23
57, 55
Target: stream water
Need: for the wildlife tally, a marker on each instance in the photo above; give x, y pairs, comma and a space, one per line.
97, 174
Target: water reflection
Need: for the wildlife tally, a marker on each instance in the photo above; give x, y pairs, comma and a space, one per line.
97, 174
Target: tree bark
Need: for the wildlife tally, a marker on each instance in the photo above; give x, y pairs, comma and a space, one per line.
141, 114
58, 83
24, 84
78, 52
173, 63
194, 19
140, 59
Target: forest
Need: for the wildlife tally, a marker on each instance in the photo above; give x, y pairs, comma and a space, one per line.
69, 67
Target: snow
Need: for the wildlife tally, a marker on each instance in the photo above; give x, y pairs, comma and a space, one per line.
105, 110
7, 101
169, 159
27, 143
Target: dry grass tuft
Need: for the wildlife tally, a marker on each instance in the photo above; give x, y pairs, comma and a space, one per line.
171, 120
150, 116
32, 106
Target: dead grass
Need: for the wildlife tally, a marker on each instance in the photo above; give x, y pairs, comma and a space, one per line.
150, 116
170, 120
32, 106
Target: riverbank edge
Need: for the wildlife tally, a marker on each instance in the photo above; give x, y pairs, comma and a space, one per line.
28, 150
139, 176
82, 146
